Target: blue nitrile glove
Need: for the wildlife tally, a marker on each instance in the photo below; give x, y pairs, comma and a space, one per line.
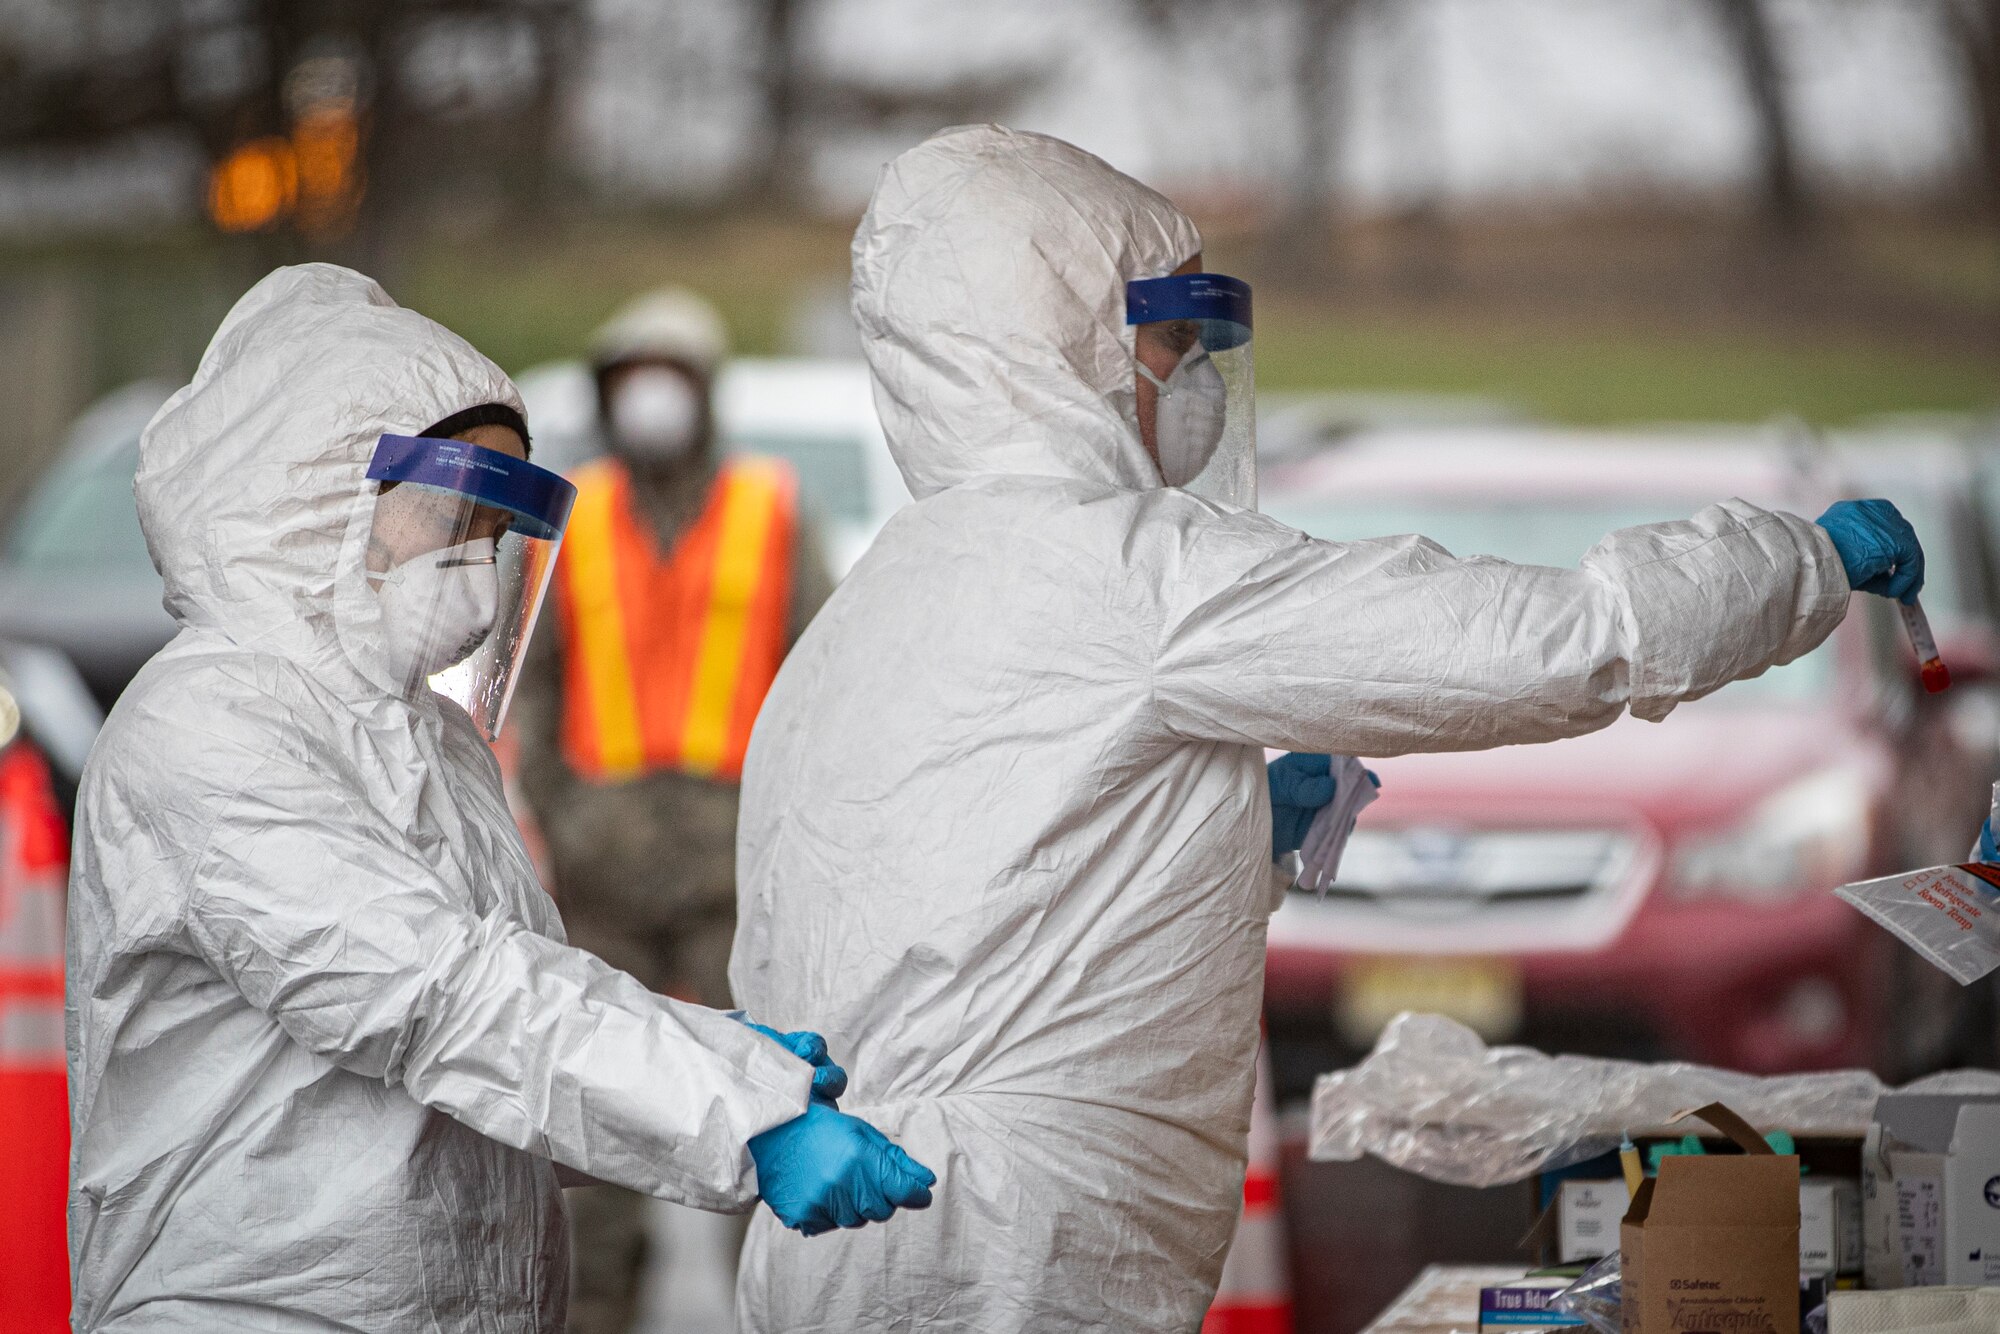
1300, 785
1988, 850
827, 1169
1878, 547
829, 1080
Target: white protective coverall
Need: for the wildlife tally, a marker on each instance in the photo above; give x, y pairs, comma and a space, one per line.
325, 1037
1005, 832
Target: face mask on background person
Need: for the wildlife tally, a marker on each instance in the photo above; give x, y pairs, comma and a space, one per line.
655, 414
1187, 422
439, 607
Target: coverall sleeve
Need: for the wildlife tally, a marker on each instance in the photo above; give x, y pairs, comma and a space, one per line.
1385, 647
317, 913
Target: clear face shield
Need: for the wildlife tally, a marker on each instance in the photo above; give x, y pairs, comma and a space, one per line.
460, 549
1205, 419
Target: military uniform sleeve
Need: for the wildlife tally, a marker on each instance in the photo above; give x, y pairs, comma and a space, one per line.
1378, 648
812, 581
535, 717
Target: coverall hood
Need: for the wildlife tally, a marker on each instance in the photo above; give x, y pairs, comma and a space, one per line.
989, 291
252, 487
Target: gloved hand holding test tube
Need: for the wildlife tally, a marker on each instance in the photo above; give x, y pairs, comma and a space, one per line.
1881, 554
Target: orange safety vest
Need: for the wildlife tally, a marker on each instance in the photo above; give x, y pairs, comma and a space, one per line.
667, 657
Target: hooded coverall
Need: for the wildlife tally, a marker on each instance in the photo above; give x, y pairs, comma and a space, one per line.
1005, 832
326, 1044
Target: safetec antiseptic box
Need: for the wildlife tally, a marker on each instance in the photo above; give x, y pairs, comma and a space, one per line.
1712, 1243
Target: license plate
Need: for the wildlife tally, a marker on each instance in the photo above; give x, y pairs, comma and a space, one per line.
1482, 994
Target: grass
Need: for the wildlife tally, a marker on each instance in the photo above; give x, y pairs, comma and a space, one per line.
1607, 375
1959, 268
529, 303
526, 297
526, 303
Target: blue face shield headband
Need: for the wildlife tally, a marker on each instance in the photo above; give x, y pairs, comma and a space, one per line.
538, 500
462, 542
1218, 304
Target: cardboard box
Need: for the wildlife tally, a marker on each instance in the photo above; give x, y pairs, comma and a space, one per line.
1931, 1191
1522, 1307
1588, 1214
1712, 1243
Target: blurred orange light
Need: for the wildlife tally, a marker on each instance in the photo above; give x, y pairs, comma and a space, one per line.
326, 144
254, 186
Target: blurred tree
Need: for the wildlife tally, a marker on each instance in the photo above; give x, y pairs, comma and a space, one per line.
325, 121
805, 105
1303, 236
781, 76
1424, 246
1312, 64
1748, 34
1973, 29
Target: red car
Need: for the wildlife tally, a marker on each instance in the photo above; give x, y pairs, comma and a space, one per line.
1654, 890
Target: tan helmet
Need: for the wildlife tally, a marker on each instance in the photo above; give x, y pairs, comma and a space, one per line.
668, 322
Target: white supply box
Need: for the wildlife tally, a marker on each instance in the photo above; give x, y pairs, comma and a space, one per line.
1972, 1200
1829, 1225
1931, 1191
1587, 1217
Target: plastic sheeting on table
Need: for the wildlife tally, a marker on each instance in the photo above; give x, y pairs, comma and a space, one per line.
1433, 1099
1916, 1311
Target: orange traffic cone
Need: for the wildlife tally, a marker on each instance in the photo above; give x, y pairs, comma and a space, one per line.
1256, 1292
34, 1108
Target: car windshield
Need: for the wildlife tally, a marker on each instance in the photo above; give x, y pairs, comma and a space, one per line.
1533, 532
832, 469
81, 518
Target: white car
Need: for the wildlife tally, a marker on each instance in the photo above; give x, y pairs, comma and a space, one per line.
817, 414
